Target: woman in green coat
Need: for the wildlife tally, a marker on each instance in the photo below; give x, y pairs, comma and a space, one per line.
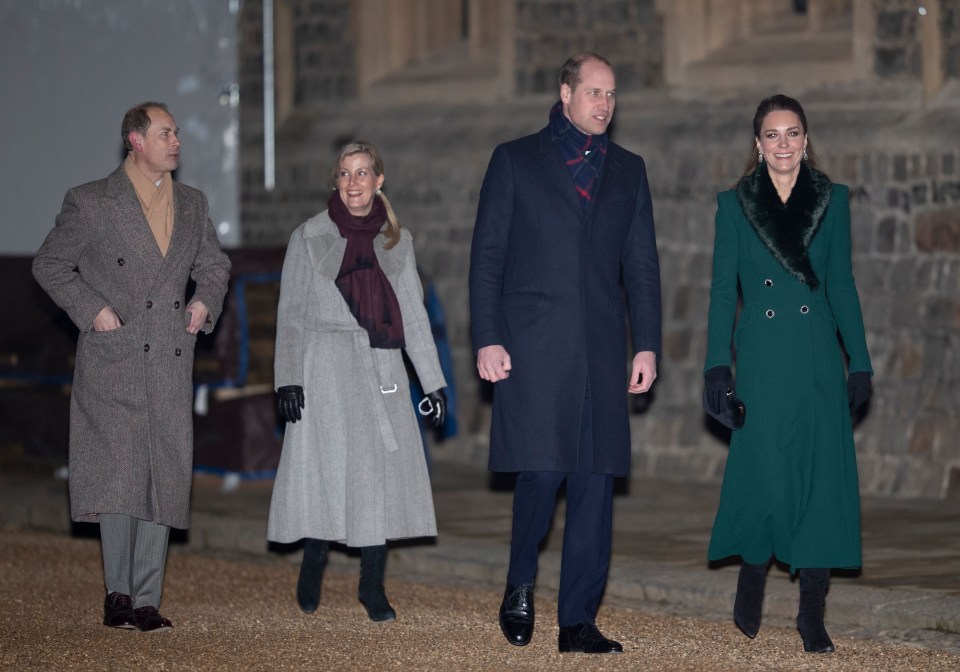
790, 488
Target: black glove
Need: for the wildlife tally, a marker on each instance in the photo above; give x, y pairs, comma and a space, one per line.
858, 390
717, 384
434, 407
290, 401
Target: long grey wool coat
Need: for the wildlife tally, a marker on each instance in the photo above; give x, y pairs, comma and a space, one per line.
131, 424
352, 470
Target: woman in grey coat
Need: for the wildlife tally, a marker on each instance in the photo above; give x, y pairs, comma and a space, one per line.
352, 468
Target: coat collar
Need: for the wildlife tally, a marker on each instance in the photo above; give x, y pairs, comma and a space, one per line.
331, 246
787, 229
132, 225
129, 220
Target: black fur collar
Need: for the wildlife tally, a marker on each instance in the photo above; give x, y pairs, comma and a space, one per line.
787, 228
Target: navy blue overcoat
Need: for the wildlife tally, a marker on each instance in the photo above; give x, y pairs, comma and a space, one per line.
547, 282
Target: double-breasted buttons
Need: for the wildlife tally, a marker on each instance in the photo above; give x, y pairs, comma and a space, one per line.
149, 305
176, 305
770, 312
804, 309
177, 352
768, 282
146, 347
120, 261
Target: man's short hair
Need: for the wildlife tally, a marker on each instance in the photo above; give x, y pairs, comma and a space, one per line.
570, 72
137, 120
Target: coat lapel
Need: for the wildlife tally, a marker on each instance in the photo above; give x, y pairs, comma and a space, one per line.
326, 245
183, 227
605, 179
787, 229
557, 170
128, 219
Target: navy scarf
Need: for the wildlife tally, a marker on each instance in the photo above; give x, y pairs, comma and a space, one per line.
583, 154
362, 282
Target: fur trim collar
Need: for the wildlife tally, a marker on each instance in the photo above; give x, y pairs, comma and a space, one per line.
787, 228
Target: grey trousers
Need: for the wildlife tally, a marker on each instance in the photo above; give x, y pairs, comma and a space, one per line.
134, 557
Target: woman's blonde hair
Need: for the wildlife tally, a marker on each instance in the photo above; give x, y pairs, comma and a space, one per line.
392, 232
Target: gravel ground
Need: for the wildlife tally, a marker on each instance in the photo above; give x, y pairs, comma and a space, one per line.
239, 613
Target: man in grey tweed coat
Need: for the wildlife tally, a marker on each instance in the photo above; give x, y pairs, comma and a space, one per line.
118, 262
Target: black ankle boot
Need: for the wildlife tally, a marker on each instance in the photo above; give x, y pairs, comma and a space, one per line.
813, 592
748, 607
373, 560
311, 573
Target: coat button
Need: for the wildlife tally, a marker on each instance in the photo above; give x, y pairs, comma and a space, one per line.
804, 309
149, 305
770, 312
120, 262
146, 347
177, 352
176, 305
768, 282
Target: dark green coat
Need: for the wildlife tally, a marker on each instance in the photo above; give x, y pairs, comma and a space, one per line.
790, 489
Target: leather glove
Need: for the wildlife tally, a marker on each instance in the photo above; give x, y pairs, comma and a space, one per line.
434, 407
289, 402
858, 390
717, 384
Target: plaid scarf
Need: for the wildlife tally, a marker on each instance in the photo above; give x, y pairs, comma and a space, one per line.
582, 153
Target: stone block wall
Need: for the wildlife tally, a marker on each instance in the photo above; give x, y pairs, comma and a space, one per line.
905, 207
897, 47
627, 32
951, 37
900, 159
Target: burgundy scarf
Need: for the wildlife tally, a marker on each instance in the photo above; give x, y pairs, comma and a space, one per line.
361, 280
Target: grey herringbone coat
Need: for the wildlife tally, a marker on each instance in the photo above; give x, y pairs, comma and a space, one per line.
353, 469
131, 423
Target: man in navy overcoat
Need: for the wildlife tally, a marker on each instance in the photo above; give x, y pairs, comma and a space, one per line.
564, 231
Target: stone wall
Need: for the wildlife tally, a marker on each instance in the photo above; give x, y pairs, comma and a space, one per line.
898, 154
897, 47
951, 37
905, 206
626, 32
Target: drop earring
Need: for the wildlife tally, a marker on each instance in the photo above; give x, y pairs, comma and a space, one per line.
805, 154
759, 157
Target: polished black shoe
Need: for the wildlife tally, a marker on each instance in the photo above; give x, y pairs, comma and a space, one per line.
150, 620
517, 614
118, 612
586, 638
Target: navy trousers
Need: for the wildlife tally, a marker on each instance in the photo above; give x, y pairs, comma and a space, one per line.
585, 560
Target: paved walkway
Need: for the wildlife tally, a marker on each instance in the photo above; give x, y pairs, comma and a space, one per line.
908, 590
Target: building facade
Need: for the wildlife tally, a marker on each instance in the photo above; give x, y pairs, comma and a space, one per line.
438, 83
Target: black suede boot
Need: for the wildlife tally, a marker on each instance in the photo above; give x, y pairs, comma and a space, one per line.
311, 573
373, 560
748, 607
813, 592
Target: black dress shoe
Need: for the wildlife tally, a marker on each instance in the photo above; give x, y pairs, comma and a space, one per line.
118, 612
586, 638
150, 620
517, 614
